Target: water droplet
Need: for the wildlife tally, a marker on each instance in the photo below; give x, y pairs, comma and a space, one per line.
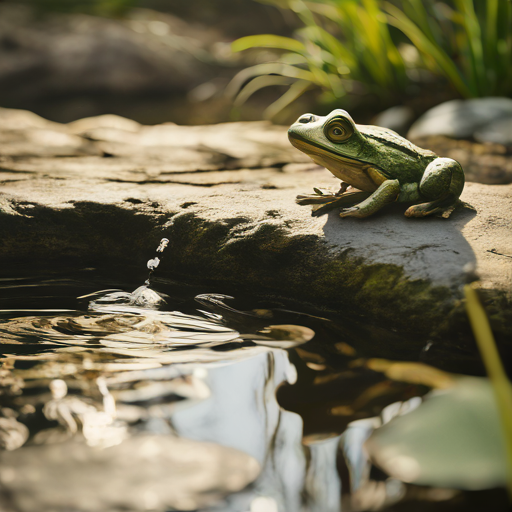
163, 244
152, 264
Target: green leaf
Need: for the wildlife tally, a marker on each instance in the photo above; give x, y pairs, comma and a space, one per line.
453, 439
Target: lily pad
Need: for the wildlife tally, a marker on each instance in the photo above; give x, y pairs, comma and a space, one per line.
453, 439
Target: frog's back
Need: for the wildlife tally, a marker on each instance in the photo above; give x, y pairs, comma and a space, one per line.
392, 139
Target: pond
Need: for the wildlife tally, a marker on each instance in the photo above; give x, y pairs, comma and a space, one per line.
172, 398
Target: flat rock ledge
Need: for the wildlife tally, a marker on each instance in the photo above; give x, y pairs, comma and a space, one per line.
105, 190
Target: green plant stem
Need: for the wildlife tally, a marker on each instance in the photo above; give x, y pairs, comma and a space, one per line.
498, 377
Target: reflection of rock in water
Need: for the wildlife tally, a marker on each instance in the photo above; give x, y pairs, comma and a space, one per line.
145, 472
233, 435
246, 416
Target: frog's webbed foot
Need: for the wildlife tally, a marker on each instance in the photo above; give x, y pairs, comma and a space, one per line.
351, 212
323, 196
385, 194
440, 208
324, 201
319, 197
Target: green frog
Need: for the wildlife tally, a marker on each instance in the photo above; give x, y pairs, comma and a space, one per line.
376, 167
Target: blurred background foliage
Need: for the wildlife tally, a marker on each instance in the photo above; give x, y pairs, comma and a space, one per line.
228, 15
385, 49
289, 56
94, 7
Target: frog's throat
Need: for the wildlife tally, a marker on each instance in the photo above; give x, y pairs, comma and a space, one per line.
357, 173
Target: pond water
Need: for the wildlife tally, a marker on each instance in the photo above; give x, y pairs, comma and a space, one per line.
164, 398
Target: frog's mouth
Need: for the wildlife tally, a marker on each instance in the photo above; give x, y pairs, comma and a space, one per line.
347, 169
312, 148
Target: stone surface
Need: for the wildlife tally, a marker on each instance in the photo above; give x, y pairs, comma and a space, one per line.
489, 163
103, 191
498, 132
461, 119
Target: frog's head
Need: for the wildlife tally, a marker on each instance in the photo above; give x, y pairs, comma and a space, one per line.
328, 140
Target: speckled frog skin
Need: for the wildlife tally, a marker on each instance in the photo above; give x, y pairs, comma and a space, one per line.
376, 167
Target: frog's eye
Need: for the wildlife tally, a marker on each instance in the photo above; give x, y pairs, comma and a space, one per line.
338, 132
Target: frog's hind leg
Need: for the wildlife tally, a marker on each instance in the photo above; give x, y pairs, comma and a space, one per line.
442, 184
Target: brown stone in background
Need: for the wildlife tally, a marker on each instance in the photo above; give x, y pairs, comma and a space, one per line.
483, 163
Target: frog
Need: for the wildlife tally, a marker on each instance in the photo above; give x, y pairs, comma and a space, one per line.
376, 167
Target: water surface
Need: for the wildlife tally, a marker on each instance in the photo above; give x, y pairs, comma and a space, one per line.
165, 397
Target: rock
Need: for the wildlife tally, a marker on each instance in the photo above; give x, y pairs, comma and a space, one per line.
497, 132
461, 119
484, 163
397, 118
224, 196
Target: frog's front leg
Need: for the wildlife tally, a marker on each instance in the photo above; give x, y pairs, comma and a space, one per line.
441, 185
323, 196
387, 193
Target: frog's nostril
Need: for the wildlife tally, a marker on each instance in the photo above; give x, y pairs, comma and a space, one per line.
306, 118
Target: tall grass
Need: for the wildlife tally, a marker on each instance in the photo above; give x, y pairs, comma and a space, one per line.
469, 42
348, 44
341, 46
499, 380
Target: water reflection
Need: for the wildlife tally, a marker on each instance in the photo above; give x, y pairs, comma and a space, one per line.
191, 404
138, 403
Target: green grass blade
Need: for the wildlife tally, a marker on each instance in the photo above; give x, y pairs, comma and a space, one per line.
268, 41
319, 36
474, 44
268, 68
296, 90
326, 10
504, 47
501, 385
398, 19
491, 38
421, 17
259, 83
